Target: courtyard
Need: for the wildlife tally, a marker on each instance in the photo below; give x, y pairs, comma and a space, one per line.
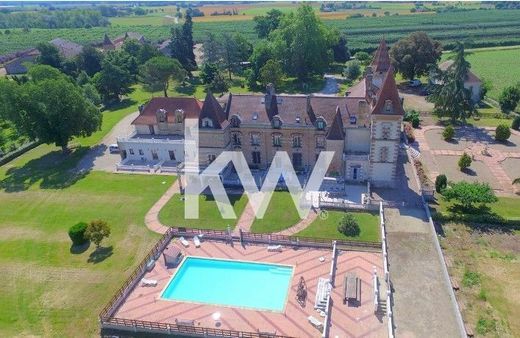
356, 319
495, 163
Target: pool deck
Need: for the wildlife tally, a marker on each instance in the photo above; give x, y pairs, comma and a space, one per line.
144, 303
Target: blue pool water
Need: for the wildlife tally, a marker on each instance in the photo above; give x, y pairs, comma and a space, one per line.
231, 283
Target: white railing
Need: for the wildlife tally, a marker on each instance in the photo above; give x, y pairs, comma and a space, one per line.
389, 313
326, 320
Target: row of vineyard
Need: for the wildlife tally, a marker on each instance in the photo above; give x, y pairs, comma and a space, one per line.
478, 28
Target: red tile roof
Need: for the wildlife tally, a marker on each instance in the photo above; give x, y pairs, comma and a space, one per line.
381, 61
213, 110
388, 92
471, 76
336, 131
191, 107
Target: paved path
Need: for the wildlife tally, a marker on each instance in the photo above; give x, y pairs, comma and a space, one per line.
152, 216
245, 221
331, 86
304, 223
98, 157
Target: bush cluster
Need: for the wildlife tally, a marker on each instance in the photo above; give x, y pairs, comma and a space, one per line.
502, 133
448, 133
77, 233
349, 226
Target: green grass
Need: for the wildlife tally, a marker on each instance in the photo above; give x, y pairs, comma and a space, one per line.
507, 207
172, 213
280, 214
328, 228
48, 289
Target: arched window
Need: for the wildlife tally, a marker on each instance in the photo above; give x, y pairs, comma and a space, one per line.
179, 115
235, 121
207, 123
320, 123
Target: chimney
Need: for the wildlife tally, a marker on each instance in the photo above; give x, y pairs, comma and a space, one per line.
369, 76
269, 96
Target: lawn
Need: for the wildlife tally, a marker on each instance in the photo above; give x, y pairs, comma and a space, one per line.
172, 213
499, 66
280, 214
507, 207
48, 289
328, 227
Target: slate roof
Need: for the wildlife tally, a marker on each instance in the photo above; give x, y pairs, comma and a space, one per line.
17, 66
336, 131
67, 48
190, 105
213, 110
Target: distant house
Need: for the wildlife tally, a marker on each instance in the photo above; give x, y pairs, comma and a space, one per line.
164, 48
14, 63
473, 83
111, 44
68, 49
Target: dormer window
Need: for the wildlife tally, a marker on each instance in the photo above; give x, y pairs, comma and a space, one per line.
388, 106
179, 115
161, 116
207, 123
255, 116
320, 123
235, 121
353, 120
276, 122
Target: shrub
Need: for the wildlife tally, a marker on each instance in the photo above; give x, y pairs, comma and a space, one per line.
96, 231
516, 123
470, 278
412, 116
448, 133
441, 181
408, 131
502, 133
349, 226
77, 233
486, 325
468, 194
464, 161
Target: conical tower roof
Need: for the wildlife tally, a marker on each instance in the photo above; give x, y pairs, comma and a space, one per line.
387, 100
381, 61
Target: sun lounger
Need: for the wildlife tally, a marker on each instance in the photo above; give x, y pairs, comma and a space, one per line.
315, 322
277, 248
196, 241
184, 322
148, 282
351, 288
184, 242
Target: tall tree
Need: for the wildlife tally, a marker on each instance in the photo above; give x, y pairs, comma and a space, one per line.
448, 94
52, 110
230, 54
157, 73
49, 55
211, 48
415, 54
89, 60
340, 49
262, 53
181, 44
114, 79
267, 23
271, 72
187, 32
303, 44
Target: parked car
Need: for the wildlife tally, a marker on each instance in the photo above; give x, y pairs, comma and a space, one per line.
414, 83
113, 148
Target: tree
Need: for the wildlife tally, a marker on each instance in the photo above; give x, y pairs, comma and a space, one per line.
271, 72
509, 98
448, 133
413, 117
211, 48
502, 133
485, 87
349, 226
414, 55
181, 45
96, 231
516, 123
363, 57
49, 55
303, 44
464, 161
187, 33
448, 94
340, 49
352, 70
89, 60
264, 25
91, 94
208, 72
243, 46
52, 110
114, 79
77, 233
441, 181
262, 53
230, 55
219, 83
468, 194
157, 72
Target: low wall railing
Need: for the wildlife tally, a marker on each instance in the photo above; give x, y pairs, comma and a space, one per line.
389, 313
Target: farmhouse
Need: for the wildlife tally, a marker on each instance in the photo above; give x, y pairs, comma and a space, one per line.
109, 44
361, 128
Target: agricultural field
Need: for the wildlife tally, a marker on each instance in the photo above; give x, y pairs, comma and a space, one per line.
477, 28
499, 66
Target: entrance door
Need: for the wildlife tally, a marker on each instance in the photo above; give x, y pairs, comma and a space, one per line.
154, 155
152, 130
355, 173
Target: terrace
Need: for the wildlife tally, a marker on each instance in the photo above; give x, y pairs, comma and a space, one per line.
141, 307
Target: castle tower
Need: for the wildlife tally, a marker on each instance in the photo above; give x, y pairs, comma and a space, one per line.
380, 63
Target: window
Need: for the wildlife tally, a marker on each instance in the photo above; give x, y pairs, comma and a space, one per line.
277, 140
255, 139
297, 141
235, 121
207, 123
211, 158
297, 160
353, 120
131, 151
388, 106
277, 123
383, 157
161, 115
320, 141
172, 155
385, 133
178, 115
154, 155
256, 157
236, 139
141, 152
320, 124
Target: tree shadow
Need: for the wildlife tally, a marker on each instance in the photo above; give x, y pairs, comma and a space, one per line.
100, 254
54, 170
469, 172
125, 103
79, 249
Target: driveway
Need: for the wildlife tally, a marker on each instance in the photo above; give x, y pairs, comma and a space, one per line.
99, 158
331, 85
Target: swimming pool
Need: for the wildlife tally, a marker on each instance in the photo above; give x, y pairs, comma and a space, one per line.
242, 284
